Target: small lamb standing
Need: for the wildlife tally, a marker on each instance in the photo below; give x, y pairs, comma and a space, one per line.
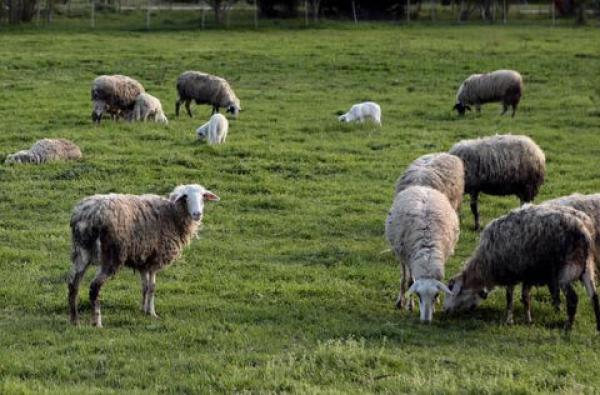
46, 150
501, 165
206, 89
533, 245
362, 112
504, 86
115, 95
215, 130
147, 106
440, 171
145, 232
422, 229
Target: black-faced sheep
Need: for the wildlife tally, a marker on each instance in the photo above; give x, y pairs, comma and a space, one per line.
501, 165
440, 171
46, 150
533, 246
504, 86
215, 130
362, 112
205, 89
115, 95
422, 229
145, 232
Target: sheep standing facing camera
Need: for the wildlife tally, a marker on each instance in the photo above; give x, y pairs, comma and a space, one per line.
115, 95
206, 89
361, 112
147, 106
504, 86
46, 150
145, 232
422, 229
215, 130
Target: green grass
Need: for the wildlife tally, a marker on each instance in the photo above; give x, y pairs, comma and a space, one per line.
286, 290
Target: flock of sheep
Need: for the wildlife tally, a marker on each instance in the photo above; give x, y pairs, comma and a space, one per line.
551, 244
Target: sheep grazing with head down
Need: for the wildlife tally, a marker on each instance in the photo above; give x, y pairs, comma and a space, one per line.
501, 165
215, 130
147, 106
115, 95
440, 171
533, 246
361, 112
46, 150
504, 86
206, 89
144, 232
422, 229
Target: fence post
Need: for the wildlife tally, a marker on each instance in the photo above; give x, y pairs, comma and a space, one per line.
93, 14
407, 11
306, 13
148, 15
553, 13
433, 10
255, 14
504, 17
354, 12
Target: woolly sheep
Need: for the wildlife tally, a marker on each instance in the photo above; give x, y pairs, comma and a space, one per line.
501, 165
145, 232
206, 89
533, 245
114, 94
422, 229
215, 130
440, 171
361, 112
46, 150
147, 106
504, 86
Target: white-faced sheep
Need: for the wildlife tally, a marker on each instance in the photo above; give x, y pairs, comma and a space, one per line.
145, 232
114, 94
206, 89
215, 130
533, 246
422, 229
147, 106
440, 171
501, 165
504, 86
46, 150
362, 112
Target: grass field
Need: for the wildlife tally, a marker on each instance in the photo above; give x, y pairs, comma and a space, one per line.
287, 289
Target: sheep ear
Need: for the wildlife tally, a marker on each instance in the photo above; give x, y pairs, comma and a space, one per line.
483, 294
174, 197
442, 287
208, 195
412, 289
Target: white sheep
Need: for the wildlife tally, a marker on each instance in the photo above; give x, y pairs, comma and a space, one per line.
422, 229
215, 130
144, 232
504, 86
147, 106
361, 112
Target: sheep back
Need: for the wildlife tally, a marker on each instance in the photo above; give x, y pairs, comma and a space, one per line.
440, 171
499, 85
502, 165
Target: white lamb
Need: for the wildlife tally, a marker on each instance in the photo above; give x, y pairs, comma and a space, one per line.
147, 106
215, 130
363, 111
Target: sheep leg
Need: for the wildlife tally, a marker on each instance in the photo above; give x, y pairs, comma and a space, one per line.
514, 109
215, 110
504, 108
81, 261
151, 287
177, 105
401, 301
145, 278
526, 300
478, 108
509, 305
555, 293
475, 208
588, 280
101, 277
571, 297
187, 107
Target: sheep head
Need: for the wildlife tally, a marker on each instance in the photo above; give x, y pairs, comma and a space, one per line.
461, 108
193, 196
427, 290
463, 296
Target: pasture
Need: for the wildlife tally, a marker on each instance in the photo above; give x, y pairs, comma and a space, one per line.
287, 288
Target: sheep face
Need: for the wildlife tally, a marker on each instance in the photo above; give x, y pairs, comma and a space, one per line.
19, 157
427, 290
462, 297
343, 118
461, 108
100, 107
234, 110
193, 196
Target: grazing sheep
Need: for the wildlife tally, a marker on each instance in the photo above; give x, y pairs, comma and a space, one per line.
533, 245
504, 86
215, 130
361, 112
206, 89
422, 229
115, 95
501, 165
46, 150
147, 106
440, 171
144, 232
